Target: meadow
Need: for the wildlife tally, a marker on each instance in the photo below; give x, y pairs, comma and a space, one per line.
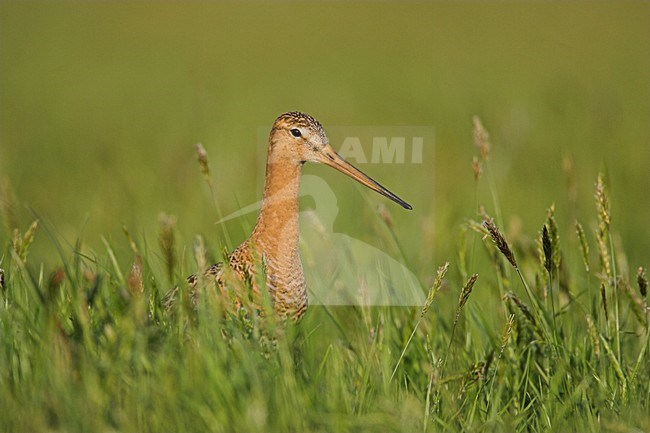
529, 232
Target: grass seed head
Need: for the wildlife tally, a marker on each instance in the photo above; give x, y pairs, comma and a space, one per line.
442, 270
554, 238
521, 306
604, 221
134, 279
202, 156
548, 251
593, 335
602, 203
464, 296
476, 168
21, 244
603, 297
539, 249
584, 247
507, 331
499, 241
603, 256
505, 337
167, 240
481, 138
467, 290
642, 281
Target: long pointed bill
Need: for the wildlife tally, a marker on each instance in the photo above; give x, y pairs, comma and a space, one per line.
329, 157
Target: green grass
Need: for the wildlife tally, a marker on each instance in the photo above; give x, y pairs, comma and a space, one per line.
101, 104
91, 347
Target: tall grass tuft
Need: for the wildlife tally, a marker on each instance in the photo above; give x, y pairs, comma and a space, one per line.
604, 221
87, 344
552, 261
605, 251
442, 270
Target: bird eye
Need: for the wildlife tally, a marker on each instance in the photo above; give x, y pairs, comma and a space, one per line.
296, 132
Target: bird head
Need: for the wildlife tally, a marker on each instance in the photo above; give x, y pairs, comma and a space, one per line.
301, 138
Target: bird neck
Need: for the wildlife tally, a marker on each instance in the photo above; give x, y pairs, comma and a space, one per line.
276, 231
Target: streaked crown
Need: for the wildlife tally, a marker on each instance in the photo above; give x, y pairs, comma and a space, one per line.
298, 119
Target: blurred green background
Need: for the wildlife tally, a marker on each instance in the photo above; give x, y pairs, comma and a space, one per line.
102, 102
